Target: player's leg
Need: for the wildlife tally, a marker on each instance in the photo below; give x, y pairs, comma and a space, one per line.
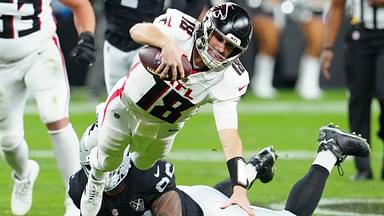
334, 146
380, 133
360, 66
267, 34
153, 142
116, 64
114, 134
48, 82
12, 142
308, 80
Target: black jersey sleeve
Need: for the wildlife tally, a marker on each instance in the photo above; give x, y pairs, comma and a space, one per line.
77, 184
121, 15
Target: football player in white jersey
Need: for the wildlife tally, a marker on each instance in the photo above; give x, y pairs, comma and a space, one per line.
146, 112
31, 63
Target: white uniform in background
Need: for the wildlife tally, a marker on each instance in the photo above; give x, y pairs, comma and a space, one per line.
31, 63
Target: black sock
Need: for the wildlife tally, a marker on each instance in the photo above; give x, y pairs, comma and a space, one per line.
306, 193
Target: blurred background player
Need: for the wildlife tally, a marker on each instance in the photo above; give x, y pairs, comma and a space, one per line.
31, 62
119, 48
363, 65
309, 14
269, 19
146, 112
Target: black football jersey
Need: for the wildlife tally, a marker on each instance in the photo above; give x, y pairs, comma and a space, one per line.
121, 15
141, 189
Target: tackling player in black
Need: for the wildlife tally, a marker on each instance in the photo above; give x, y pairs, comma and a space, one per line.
130, 191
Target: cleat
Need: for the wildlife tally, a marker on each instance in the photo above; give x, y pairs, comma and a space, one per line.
341, 143
262, 165
92, 197
21, 200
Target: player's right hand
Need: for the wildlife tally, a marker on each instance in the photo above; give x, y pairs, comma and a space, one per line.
326, 57
171, 62
239, 197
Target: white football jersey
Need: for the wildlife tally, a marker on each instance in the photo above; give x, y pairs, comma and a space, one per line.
176, 101
210, 200
25, 26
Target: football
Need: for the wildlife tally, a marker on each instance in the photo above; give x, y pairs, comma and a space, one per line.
150, 58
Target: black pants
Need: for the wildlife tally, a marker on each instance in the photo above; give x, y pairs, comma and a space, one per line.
365, 81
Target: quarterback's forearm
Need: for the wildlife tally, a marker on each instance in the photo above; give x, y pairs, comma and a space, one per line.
231, 143
333, 22
83, 15
149, 34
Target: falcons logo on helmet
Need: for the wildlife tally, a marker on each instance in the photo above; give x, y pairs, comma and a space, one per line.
220, 11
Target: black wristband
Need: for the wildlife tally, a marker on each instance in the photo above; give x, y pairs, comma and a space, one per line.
236, 168
87, 35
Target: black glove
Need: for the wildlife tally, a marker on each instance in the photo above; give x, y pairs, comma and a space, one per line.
84, 51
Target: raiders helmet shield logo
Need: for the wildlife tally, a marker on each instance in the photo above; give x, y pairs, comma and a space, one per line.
137, 205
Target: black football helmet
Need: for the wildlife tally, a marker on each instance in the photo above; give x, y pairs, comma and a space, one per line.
231, 22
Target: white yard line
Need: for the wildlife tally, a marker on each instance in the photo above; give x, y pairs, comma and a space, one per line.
244, 107
202, 155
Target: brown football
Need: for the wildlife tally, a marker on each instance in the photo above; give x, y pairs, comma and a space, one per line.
150, 58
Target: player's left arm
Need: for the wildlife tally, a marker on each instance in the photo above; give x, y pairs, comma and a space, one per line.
84, 19
226, 123
83, 15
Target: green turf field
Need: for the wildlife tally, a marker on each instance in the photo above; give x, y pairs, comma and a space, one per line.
289, 124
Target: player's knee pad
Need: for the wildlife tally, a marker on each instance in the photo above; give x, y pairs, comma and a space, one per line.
8, 142
50, 113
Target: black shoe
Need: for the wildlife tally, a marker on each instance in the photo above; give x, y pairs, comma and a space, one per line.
362, 175
341, 143
264, 164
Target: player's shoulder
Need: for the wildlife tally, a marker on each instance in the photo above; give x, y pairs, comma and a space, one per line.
176, 22
234, 82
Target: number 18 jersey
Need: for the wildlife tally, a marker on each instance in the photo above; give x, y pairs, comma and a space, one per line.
176, 101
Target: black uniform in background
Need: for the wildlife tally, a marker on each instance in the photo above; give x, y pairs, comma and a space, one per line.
365, 74
121, 16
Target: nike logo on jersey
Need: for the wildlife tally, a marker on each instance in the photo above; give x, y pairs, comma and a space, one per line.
242, 87
157, 174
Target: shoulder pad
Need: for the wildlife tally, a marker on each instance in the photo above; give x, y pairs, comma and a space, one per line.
176, 24
234, 83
